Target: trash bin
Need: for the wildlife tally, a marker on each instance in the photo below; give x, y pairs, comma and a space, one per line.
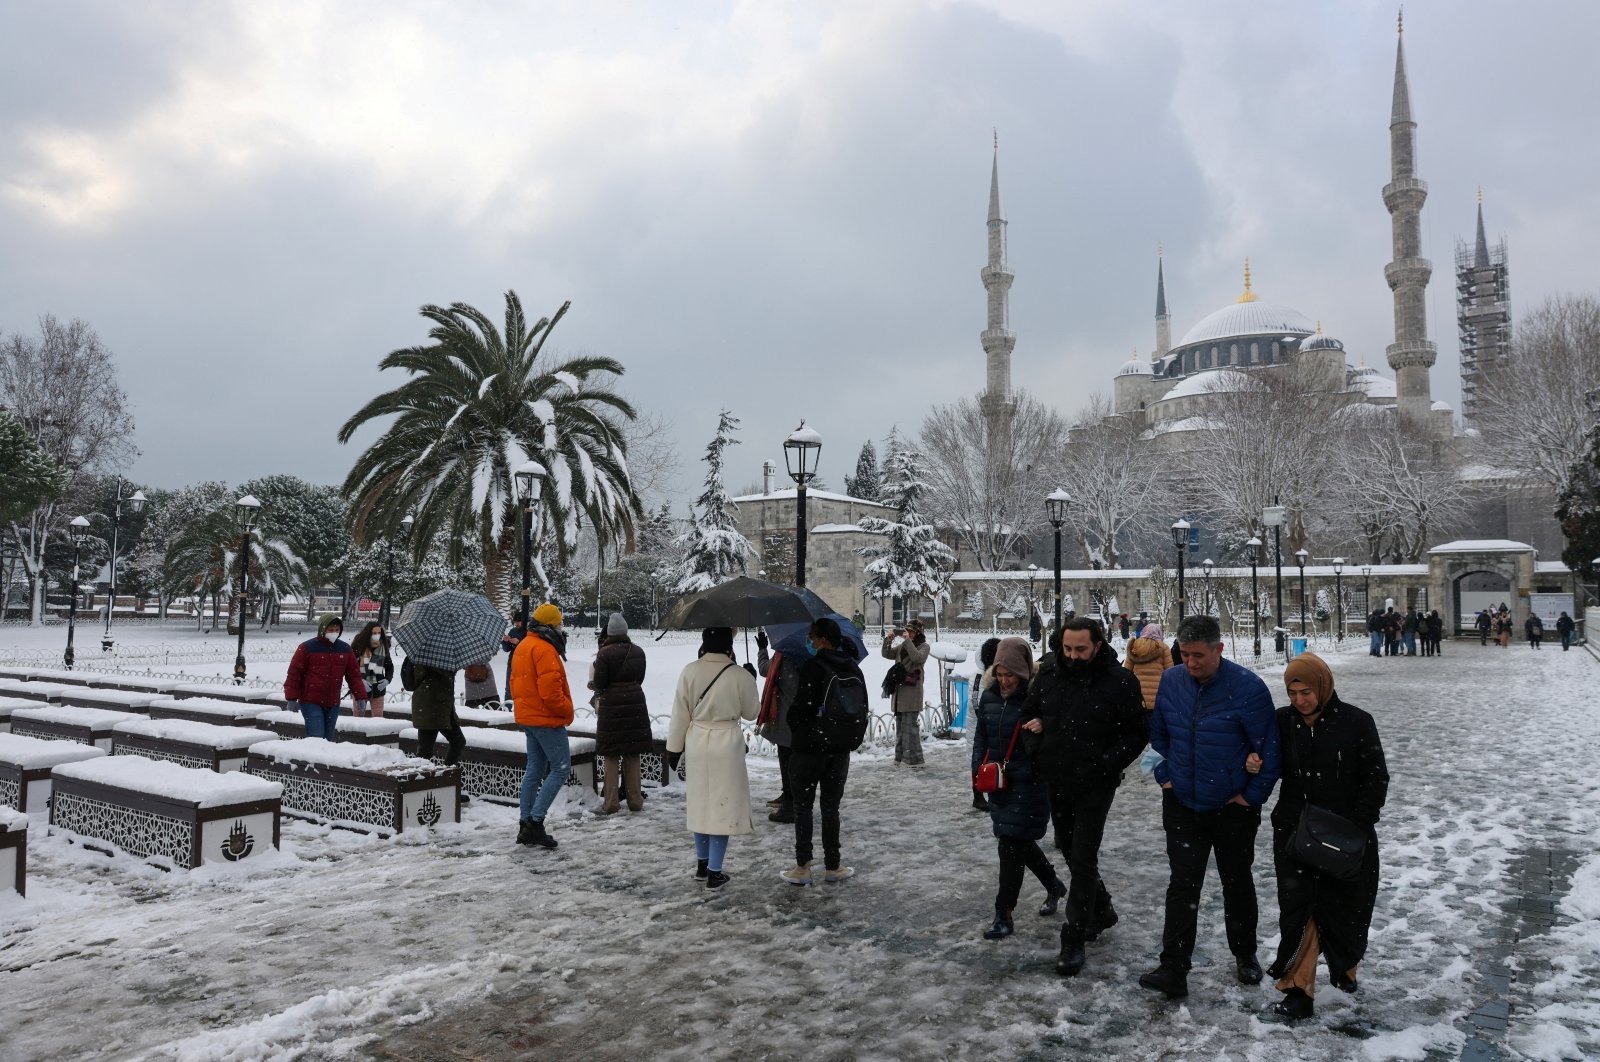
1296, 647
959, 684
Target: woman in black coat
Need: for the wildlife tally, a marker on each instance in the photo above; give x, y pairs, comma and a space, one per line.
622, 717
1331, 758
1021, 811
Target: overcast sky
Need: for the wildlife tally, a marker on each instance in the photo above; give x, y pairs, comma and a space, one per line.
776, 208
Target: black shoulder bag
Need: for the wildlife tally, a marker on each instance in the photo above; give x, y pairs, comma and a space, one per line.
1326, 841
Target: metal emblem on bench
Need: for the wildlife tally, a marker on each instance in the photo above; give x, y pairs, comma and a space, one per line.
239, 842
429, 813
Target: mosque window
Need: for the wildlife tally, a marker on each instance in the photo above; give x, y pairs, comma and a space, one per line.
1255, 353
1233, 354
1276, 352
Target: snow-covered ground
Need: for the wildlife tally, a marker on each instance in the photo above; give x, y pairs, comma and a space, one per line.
460, 944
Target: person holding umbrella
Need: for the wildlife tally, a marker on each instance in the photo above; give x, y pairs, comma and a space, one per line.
543, 703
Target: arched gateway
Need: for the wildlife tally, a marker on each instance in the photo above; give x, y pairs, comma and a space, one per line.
1472, 574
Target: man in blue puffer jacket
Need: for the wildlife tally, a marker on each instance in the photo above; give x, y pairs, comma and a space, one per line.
1210, 714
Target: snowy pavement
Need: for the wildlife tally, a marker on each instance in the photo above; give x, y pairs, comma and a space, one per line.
460, 945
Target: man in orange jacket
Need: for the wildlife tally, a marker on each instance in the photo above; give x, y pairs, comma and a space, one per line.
543, 703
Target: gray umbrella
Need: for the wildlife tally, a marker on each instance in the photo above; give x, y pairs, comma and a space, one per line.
450, 629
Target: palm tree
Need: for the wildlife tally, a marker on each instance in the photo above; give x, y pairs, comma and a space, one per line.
478, 404
203, 560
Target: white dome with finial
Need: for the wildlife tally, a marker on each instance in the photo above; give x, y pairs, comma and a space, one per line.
1134, 367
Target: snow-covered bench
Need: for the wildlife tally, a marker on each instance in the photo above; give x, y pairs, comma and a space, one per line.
111, 700
111, 680
9, 705
183, 741
491, 718
184, 817
49, 692
495, 759
361, 731
363, 786
13, 851
226, 691
62, 722
25, 766
207, 710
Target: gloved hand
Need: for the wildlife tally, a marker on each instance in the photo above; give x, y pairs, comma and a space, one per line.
292, 706
748, 666
761, 639
363, 707
673, 759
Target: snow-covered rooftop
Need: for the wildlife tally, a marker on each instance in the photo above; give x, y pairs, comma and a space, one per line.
1372, 384
789, 493
1212, 381
1253, 318
1483, 545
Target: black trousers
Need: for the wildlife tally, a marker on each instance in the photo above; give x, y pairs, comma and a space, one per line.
808, 772
787, 796
1015, 857
1191, 837
1080, 824
452, 736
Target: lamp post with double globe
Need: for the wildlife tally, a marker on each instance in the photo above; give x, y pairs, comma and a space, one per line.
1055, 508
80, 528
135, 505
1338, 595
388, 579
1274, 516
1300, 556
1206, 564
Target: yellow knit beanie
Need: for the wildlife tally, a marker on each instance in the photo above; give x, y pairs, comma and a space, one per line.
548, 615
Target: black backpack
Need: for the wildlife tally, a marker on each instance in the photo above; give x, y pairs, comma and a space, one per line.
842, 717
408, 675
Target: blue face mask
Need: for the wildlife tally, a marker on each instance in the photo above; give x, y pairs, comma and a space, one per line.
811, 650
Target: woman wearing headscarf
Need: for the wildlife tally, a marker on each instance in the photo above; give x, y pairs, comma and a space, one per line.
1148, 657
1020, 812
1331, 758
714, 693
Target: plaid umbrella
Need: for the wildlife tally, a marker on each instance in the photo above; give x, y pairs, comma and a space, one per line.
450, 629
746, 602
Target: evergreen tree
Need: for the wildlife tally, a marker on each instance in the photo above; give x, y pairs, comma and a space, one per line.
865, 483
1578, 507
714, 550
911, 562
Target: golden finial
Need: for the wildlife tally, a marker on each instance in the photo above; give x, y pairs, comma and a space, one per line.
997, 138
1319, 326
1248, 296
1400, 22
1363, 361
1480, 195
1161, 249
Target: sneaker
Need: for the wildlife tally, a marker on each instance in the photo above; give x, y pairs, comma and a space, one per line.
838, 874
1168, 980
799, 874
715, 879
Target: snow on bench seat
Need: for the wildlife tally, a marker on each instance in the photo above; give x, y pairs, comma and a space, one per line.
470, 718
111, 700
183, 741
358, 785
179, 816
32, 691
226, 691
25, 766
207, 710
61, 722
113, 680
495, 759
359, 730
13, 851
9, 705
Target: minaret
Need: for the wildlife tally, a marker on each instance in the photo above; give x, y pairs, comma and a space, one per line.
1483, 310
1163, 319
998, 340
1411, 355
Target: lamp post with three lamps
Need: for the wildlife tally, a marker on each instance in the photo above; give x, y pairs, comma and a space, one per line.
248, 508
801, 452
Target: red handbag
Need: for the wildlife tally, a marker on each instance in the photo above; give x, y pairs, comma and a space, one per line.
991, 777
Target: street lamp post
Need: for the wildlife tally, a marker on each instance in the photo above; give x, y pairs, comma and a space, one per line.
388, 579
1180, 540
801, 452
1300, 556
1273, 516
1055, 507
1206, 564
1338, 595
248, 507
1254, 545
136, 505
529, 477
1366, 587
80, 527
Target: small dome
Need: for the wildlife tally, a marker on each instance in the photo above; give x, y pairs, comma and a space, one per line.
1134, 367
1321, 342
1367, 380
1210, 382
1441, 407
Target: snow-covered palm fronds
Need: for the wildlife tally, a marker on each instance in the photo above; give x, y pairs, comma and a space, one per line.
203, 560
713, 549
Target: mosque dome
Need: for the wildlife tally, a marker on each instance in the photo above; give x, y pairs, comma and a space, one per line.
1211, 382
1368, 381
1321, 342
1253, 318
1134, 367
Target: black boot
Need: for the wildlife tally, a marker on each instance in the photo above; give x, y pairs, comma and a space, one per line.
1248, 970
715, 879
1072, 958
784, 813
538, 835
1052, 900
1294, 1005
1168, 980
978, 803
524, 831
1103, 917
1002, 927
700, 869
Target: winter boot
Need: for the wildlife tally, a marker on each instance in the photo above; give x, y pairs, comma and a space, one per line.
1294, 1005
1168, 980
1343, 983
538, 835
1103, 917
1071, 960
700, 870
1052, 899
525, 831
609, 804
1248, 970
715, 879
784, 813
979, 803
630, 783
1002, 927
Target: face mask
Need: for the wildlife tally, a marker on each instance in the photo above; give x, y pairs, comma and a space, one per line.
811, 650
331, 636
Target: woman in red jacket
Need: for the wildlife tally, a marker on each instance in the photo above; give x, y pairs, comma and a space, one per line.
319, 668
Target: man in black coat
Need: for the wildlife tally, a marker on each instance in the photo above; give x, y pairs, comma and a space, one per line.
1086, 723
828, 721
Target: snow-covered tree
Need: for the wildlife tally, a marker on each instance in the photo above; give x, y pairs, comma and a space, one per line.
166, 516
204, 561
1117, 484
309, 516
713, 549
28, 476
1578, 506
1390, 492
910, 562
865, 483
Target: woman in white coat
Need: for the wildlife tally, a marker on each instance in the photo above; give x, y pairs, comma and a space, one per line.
713, 695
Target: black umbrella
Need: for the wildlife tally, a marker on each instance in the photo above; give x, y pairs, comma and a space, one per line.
746, 602
450, 629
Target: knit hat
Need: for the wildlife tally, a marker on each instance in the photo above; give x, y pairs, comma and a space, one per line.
616, 626
1013, 655
1154, 632
1313, 671
329, 619
716, 640
548, 615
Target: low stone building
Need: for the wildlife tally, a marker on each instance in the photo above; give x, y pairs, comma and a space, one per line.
834, 570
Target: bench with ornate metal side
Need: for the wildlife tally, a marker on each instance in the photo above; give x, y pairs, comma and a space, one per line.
62, 722
208, 710
109, 680
495, 759
175, 817
359, 730
204, 745
25, 766
491, 718
110, 700
48, 692
13, 851
365, 787
223, 691
652, 765
9, 705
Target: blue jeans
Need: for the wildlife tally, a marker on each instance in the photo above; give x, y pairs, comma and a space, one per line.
711, 847
1377, 643
320, 721
549, 763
